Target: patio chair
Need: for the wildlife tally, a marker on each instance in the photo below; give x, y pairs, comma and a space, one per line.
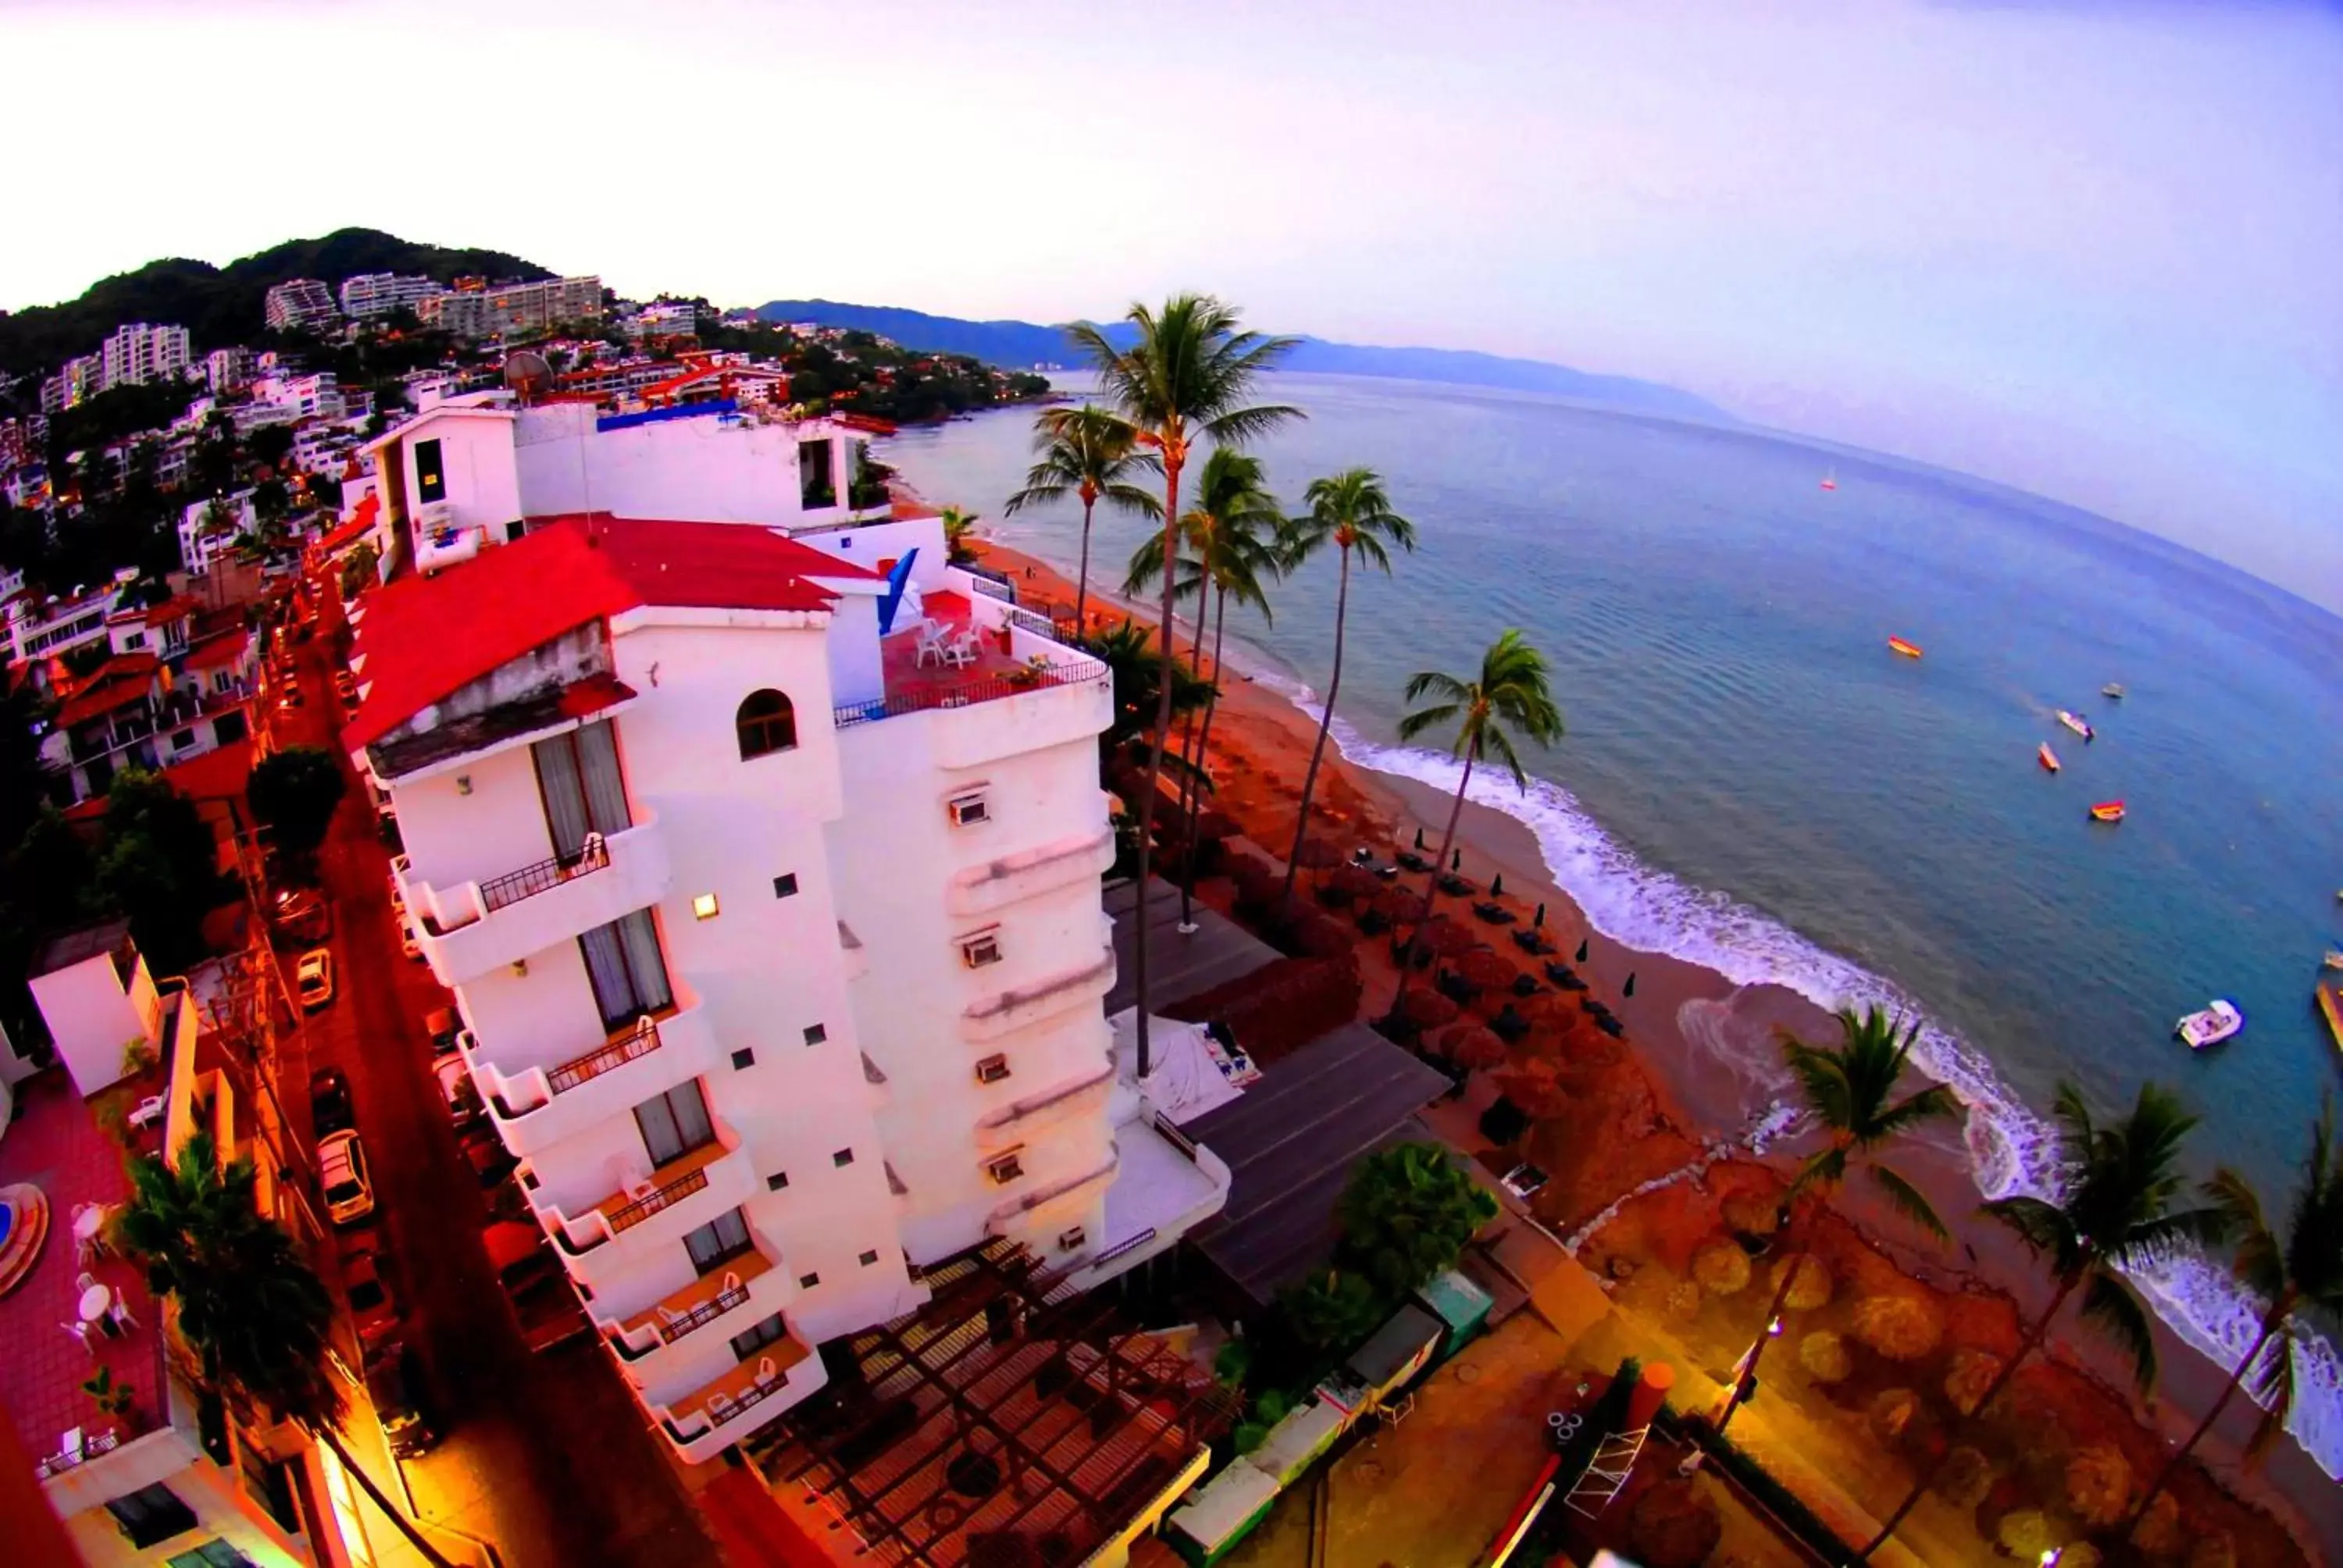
119, 1313
962, 651
931, 645
81, 1333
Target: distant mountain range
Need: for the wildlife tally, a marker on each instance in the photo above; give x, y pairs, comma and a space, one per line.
1022, 345
222, 305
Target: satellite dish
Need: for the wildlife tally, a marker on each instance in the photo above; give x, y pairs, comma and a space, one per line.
527, 373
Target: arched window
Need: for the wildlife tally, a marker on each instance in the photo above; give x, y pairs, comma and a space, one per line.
767, 721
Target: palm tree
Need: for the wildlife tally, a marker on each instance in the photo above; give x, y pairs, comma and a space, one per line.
2301, 1269
960, 526
1407, 1214
1849, 1089
1510, 695
1350, 511
252, 1310
1229, 535
1094, 455
2116, 1212
1135, 667
1185, 377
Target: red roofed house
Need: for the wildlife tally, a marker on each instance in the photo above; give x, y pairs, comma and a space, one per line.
763, 863
172, 691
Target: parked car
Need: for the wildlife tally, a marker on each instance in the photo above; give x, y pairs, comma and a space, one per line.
374, 1303
485, 1153
443, 1025
342, 1171
402, 1400
544, 1306
407, 943
314, 979
345, 686
301, 916
456, 1087
329, 1101
1523, 1181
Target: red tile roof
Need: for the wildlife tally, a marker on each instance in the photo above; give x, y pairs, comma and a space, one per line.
219, 774
214, 651
361, 524
121, 679
426, 637
171, 610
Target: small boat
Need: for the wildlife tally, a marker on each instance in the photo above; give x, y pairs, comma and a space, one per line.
2112, 688
2334, 959
2075, 722
1907, 649
2048, 758
2108, 811
1830, 480
2211, 1027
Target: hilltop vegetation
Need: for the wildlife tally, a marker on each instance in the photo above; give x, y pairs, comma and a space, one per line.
223, 304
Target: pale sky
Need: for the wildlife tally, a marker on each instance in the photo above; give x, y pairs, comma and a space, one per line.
2090, 247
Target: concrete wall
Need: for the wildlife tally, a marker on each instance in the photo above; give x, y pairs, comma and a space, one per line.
93, 1017
475, 455
703, 468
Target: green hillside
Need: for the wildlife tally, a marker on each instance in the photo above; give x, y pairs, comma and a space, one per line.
220, 306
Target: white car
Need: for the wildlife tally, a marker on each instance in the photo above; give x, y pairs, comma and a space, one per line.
314, 979
456, 1087
342, 1172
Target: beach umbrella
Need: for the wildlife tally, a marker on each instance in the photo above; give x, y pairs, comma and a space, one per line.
1496, 884
1429, 1010
1581, 953
1316, 855
1398, 904
1419, 838
1538, 919
1473, 1046
1355, 880
1629, 988
1447, 938
1485, 968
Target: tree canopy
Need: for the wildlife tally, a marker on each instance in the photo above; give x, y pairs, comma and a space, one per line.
293, 792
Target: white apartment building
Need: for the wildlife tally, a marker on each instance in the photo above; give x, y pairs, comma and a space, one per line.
226, 369
43, 629
462, 311
137, 354
77, 380
208, 529
513, 307
380, 292
777, 943
299, 302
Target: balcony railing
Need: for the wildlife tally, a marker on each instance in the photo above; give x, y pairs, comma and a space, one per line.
966, 693
635, 1044
673, 1329
513, 886
1128, 1245
634, 1211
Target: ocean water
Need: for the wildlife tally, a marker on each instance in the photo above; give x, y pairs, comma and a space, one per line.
1752, 781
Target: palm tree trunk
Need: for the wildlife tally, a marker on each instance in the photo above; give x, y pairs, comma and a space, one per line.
1748, 1378
1188, 755
1155, 750
2026, 1347
1431, 884
2272, 1320
1194, 784
404, 1526
1082, 577
1318, 752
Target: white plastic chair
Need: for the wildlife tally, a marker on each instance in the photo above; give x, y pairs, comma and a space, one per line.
149, 1111
81, 1333
962, 651
120, 1313
931, 645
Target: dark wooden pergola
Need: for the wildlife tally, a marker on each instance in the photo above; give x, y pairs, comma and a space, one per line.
1011, 1422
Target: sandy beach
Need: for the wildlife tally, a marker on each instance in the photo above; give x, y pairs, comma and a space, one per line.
1694, 1069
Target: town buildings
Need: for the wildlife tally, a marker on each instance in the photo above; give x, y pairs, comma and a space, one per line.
175, 687
227, 369
299, 303
137, 354
77, 380
761, 848
159, 1478
380, 292
513, 307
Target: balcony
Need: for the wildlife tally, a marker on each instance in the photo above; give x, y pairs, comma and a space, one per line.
1036, 1114
1080, 858
473, 928
1002, 1012
714, 1296
682, 1195
538, 1107
721, 1411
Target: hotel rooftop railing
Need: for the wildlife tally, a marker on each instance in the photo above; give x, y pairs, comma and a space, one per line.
965, 694
513, 886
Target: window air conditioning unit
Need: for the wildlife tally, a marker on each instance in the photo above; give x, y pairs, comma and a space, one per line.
981, 948
1004, 1168
968, 810
1071, 1239
993, 1070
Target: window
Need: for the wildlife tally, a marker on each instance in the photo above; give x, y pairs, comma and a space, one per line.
842, 1158
675, 1123
749, 1341
1004, 1168
981, 948
815, 1033
743, 1059
430, 478
183, 739
870, 1257
704, 907
624, 966
817, 486
966, 811
993, 1070
808, 1281
212, 1553
151, 1514
515, 529
776, 1181
266, 1482
721, 1239
785, 885
578, 776
1070, 1240
767, 721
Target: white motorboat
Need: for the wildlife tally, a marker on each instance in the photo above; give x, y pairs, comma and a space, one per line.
2212, 1026
2075, 722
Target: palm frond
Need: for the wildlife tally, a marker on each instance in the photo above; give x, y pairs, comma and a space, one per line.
1412, 725
1910, 1202
2260, 1263
2272, 1385
2043, 1226
2109, 1304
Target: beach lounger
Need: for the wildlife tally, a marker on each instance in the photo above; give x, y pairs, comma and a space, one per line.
1559, 973
1456, 887
1455, 987
1526, 985
1411, 861
1508, 1025
1495, 914
1532, 943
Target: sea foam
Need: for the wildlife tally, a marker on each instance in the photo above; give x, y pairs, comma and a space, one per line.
2012, 1148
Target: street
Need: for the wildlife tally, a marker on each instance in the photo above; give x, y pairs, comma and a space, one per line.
547, 1456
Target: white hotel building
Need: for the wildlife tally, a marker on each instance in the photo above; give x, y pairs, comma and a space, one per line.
778, 944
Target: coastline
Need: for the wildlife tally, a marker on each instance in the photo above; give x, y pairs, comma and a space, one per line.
1697, 1066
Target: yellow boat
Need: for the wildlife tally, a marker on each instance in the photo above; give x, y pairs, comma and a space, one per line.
2330, 1003
1898, 645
